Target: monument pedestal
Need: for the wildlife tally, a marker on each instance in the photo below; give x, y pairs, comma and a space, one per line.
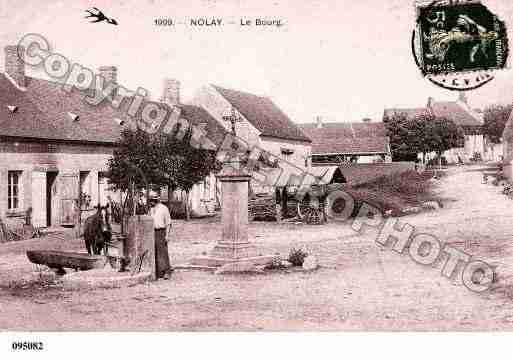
234, 246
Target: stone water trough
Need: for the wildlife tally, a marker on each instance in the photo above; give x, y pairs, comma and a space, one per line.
98, 271
59, 260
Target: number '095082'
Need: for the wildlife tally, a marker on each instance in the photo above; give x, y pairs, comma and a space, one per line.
27, 346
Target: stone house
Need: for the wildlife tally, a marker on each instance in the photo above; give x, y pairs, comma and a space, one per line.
338, 142
55, 146
459, 111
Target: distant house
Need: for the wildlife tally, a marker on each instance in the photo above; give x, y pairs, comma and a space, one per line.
357, 142
262, 123
471, 121
507, 147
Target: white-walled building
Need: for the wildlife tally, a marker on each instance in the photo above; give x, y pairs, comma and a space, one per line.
262, 124
507, 147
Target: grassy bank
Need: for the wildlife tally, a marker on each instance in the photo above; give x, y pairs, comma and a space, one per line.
397, 192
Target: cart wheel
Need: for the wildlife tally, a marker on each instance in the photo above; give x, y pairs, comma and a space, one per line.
310, 210
336, 205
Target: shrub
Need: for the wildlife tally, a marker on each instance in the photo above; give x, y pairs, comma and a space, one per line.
395, 192
498, 180
297, 257
275, 263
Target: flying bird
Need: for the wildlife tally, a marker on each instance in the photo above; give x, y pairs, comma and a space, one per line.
100, 16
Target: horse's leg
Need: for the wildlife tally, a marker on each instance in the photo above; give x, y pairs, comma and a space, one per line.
97, 248
107, 238
88, 246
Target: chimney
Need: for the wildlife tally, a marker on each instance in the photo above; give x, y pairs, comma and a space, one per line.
318, 119
110, 74
14, 65
430, 102
463, 97
171, 94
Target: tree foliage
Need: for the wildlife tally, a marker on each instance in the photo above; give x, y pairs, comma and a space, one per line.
495, 118
422, 134
131, 163
159, 160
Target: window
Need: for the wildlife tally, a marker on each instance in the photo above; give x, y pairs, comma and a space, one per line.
13, 190
286, 153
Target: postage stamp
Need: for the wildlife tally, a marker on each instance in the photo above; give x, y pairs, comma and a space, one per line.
458, 44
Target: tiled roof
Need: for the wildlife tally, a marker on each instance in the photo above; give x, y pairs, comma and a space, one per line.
44, 112
456, 111
409, 112
340, 138
198, 116
347, 129
28, 120
262, 113
94, 124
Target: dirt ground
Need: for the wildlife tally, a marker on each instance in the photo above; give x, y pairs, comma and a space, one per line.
360, 285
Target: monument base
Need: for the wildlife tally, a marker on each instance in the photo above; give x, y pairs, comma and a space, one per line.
213, 262
234, 251
230, 253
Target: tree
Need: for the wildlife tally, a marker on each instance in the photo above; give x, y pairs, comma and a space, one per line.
144, 160
442, 134
129, 168
422, 134
495, 118
183, 165
405, 137
130, 165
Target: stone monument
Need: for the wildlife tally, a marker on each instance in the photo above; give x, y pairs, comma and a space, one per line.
234, 248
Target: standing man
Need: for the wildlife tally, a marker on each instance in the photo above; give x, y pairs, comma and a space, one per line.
162, 225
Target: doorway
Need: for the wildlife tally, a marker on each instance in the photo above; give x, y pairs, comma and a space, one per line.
50, 185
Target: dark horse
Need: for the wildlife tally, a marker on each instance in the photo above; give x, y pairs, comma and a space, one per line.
98, 231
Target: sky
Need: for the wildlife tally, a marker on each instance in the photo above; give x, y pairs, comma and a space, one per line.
343, 60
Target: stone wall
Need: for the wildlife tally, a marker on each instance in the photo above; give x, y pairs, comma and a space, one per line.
34, 160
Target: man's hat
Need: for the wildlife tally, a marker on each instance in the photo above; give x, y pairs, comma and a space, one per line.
154, 196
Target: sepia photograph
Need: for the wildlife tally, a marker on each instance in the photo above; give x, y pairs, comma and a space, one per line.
237, 167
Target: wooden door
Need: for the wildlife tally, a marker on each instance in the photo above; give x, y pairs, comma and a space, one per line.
69, 191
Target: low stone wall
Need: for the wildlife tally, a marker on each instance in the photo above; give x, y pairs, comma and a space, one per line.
358, 173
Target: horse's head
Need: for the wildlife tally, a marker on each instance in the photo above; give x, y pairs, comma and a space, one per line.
104, 218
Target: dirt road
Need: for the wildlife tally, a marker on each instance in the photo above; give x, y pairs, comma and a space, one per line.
360, 286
